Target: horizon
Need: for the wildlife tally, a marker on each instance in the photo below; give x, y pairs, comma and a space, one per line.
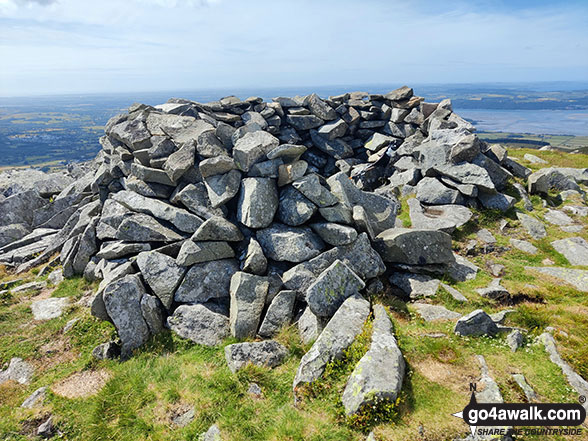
67, 47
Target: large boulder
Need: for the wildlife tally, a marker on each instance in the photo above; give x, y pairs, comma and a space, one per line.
268, 353
258, 202
547, 179
279, 313
207, 280
248, 293
199, 324
379, 374
476, 323
440, 217
414, 247
291, 244
162, 274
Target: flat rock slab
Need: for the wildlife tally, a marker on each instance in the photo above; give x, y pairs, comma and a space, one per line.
524, 246
431, 313
575, 249
290, 244
18, 370
49, 308
534, 227
494, 291
416, 286
379, 374
205, 281
454, 293
574, 277
337, 336
268, 353
199, 324
439, 217
557, 217
248, 293
331, 288
414, 247
475, 324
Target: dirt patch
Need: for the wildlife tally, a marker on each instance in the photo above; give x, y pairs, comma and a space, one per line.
82, 384
455, 377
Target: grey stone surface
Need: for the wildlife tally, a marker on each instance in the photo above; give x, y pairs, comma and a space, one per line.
50, 308
335, 234
496, 201
288, 173
494, 291
534, 227
475, 324
514, 340
454, 293
207, 280
574, 277
557, 217
279, 313
294, 209
248, 293
18, 370
122, 299
198, 252
525, 387
431, 191
550, 178
414, 247
116, 249
212, 434
310, 326
379, 374
312, 189
258, 202
218, 165
217, 228
35, 398
291, 244
415, 286
466, 173
524, 246
222, 188
267, 353
152, 310
199, 324
575, 249
440, 217
431, 313
335, 284
144, 228
162, 274
337, 336
485, 236
253, 147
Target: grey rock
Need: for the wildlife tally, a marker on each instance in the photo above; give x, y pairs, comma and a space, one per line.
431, 313
279, 313
212, 434
268, 353
431, 191
35, 398
122, 299
337, 213
533, 226
258, 202
336, 148
416, 286
199, 324
162, 274
29, 287
152, 311
218, 165
198, 252
467, 173
475, 324
534, 159
304, 122
265, 169
440, 217
312, 189
540, 182
217, 228
56, 277
378, 141
524, 246
117, 249
222, 188
291, 244
575, 249
485, 236
310, 326
133, 133
334, 234
18, 370
379, 374
454, 293
149, 174
499, 175
557, 217
331, 288
12, 233
496, 201
576, 210
528, 205
337, 336
359, 256
50, 308
518, 170
514, 340
288, 173
287, 152
252, 148
184, 418
494, 291
205, 281
335, 129
414, 247
46, 429
144, 228
180, 162
19, 208
254, 390
320, 108
254, 260
248, 293
525, 387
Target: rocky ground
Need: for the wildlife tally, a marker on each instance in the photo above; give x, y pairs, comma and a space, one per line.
299, 269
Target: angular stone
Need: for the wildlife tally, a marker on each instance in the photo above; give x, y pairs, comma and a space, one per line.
35, 398
199, 324
162, 274
416, 286
514, 340
287, 152
180, 162
359, 256
258, 202
332, 130
212, 434
268, 353
528, 390
379, 374
18, 370
524, 246
19, 208
152, 311
575, 249
252, 148
279, 314
311, 188
485, 236
337, 336
218, 165
533, 226
331, 288
143, 228
288, 173
50, 308
335, 234
222, 188
205, 281
547, 179
431, 191
467, 173
149, 174
294, 209
320, 108
310, 326
122, 299
440, 217
431, 313
198, 252
336, 148
254, 260
475, 324
117, 249
304, 122
378, 141
414, 247
400, 94
454, 293
494, 291
248, 293
557, 217
337, 213
284, 243
218, 228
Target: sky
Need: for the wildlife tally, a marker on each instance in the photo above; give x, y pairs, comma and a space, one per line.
79, 46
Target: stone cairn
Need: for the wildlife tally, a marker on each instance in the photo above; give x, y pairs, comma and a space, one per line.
239, 217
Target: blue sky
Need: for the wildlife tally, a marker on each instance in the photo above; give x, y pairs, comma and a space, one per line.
77, 46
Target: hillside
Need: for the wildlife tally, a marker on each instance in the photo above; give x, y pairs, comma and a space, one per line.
210, 248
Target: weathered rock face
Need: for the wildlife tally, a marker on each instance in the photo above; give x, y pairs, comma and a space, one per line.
268, 353
191, 203
476, 323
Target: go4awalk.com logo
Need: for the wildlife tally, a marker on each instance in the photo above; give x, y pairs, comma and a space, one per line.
500, 419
